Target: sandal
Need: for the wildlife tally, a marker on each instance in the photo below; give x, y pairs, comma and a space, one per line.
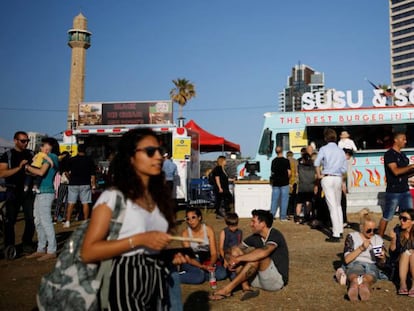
249, 293
411, 293
364, 292
216, 297
403, 291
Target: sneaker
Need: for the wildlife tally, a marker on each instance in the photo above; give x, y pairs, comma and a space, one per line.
333, 239
66, 224
284, 220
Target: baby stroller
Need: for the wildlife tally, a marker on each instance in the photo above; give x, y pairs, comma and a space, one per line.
9, 252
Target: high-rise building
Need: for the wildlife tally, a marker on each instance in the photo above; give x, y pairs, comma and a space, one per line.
402, 43
303, 79
79, 40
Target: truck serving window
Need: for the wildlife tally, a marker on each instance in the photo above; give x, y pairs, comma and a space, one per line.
266, 143
366, 137
282, 139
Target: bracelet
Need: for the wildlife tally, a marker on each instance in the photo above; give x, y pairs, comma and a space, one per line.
131, 243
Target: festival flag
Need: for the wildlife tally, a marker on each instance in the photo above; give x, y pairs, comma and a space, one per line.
386, 93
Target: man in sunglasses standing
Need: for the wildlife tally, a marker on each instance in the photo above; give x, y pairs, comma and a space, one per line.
397, 170
12, 164
81, 180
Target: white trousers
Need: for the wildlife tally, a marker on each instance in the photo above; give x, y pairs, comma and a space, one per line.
332, 187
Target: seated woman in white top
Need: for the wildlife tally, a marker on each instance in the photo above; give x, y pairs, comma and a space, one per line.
362, 251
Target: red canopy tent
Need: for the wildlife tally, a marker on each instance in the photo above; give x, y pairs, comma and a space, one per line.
210, 142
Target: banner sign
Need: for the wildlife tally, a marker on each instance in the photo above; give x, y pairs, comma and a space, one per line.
153, 112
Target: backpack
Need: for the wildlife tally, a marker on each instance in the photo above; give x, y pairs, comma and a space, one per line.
73, 284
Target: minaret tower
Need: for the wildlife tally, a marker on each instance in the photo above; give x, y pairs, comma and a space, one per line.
79, 40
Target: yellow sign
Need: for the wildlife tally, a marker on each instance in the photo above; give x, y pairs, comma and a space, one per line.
71, 148
182, 148
297, 140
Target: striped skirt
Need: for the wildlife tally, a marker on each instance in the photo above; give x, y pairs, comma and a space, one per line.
138, 283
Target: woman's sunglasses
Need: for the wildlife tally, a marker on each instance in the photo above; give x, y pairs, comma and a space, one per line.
404, 218
192, 217
150, 151
370, 230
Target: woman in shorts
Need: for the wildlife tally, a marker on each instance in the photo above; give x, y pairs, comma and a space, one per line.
362, 251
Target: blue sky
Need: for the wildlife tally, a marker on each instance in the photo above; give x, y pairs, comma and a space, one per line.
238, 53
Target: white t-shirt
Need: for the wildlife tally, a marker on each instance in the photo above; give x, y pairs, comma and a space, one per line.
367, 255
347, 143
136, 220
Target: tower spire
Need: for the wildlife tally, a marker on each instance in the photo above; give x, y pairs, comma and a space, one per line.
79, 39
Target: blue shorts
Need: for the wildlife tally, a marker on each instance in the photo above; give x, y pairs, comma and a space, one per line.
82, 192
403, 200
361, 268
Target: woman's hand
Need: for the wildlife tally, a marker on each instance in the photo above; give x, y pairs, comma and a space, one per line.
393, 235
156, 240
180, 259
365, 244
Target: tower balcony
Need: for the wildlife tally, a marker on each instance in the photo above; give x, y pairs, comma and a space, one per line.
77, 37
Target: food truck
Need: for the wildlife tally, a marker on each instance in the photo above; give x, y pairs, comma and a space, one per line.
101, 124
370, 125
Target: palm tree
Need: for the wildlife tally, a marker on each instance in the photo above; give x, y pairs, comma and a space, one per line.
183, 91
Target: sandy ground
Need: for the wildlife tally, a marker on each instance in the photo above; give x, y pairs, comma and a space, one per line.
311, 284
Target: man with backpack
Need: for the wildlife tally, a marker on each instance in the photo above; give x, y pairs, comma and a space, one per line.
12, 164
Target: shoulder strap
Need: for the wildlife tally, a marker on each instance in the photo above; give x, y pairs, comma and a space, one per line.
9, 156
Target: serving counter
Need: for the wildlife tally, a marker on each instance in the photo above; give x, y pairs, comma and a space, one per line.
250, 195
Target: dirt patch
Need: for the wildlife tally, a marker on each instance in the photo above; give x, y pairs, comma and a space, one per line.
311, 284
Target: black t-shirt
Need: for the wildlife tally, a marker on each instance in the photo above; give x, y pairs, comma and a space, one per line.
396, 184
17, 157
224, 179
81, 169
280, 255
279, 169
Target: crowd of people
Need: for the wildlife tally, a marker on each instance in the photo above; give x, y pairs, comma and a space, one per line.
310, 189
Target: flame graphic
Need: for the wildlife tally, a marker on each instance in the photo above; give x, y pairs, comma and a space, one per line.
376, 180
357, 177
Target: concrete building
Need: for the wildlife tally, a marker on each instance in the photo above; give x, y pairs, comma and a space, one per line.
79, 39
402, 43
303, 79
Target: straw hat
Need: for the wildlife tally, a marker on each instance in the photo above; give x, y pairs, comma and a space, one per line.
344, 134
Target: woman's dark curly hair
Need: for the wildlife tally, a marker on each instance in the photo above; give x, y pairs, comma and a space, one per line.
130, 184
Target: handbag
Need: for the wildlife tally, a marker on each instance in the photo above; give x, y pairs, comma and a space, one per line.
73, 284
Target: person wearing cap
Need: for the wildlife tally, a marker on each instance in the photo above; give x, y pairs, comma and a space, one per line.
346, 142
170, 170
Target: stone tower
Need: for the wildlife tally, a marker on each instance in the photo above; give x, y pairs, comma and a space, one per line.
79, 40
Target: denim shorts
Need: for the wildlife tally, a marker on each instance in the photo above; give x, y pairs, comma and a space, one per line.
82, 192
361, 268
403, 200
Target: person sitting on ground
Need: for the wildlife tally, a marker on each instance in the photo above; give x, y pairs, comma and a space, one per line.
402, 243
262, 260
230, 236
196, 270
362, 252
